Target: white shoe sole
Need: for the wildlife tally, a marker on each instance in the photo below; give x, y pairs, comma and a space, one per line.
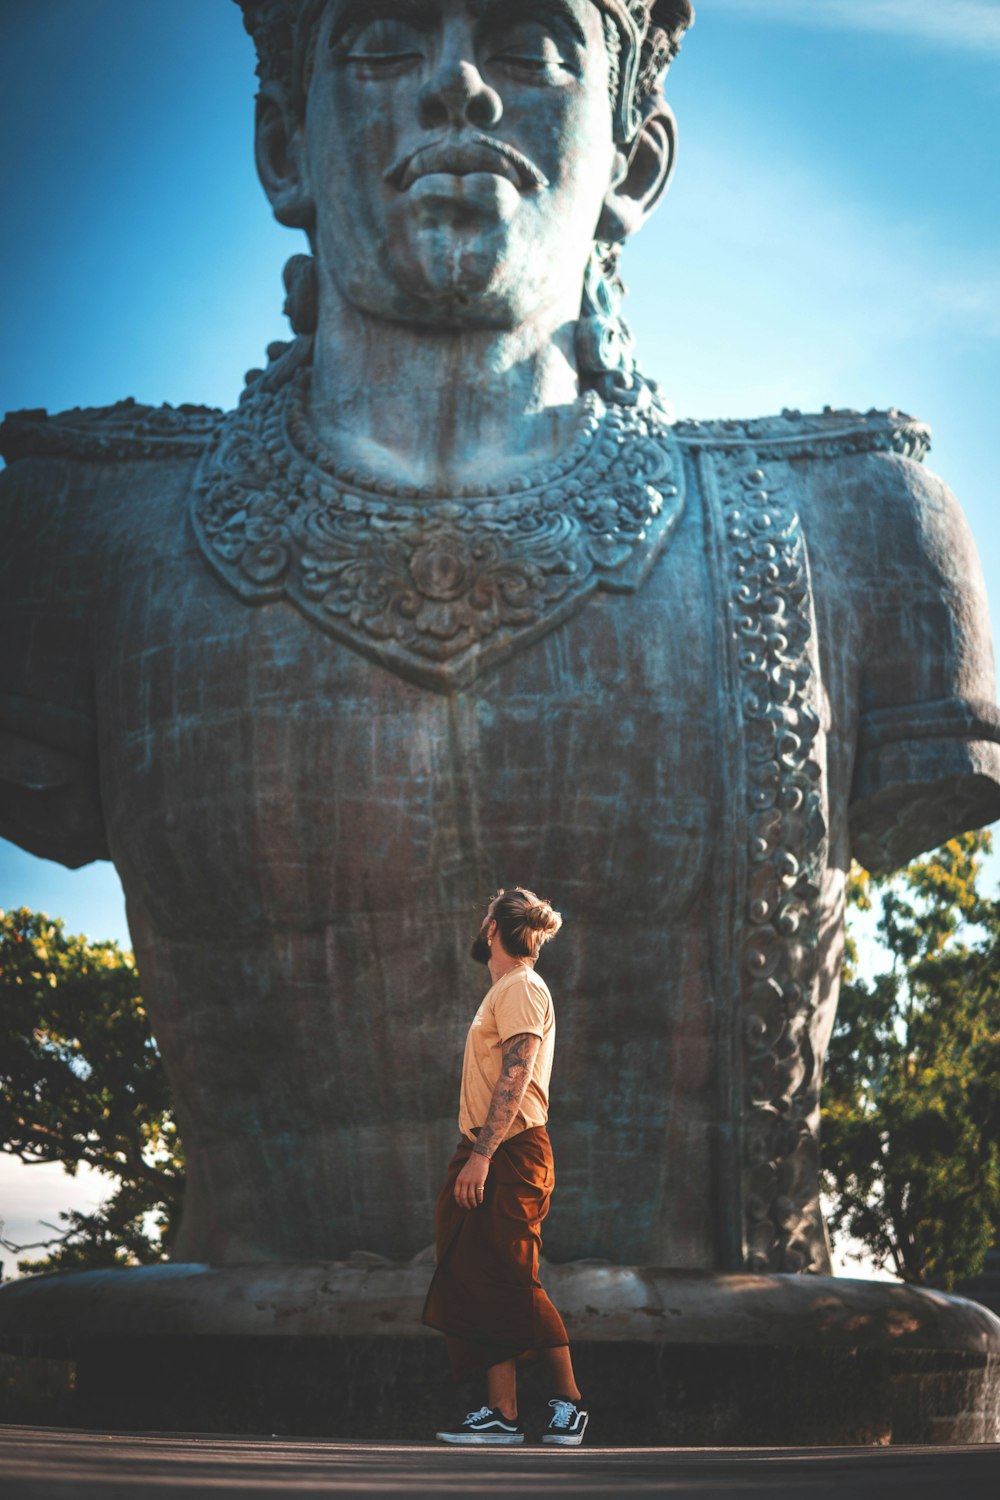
566, 1439
481, 1439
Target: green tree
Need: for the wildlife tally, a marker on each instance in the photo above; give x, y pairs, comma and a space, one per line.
81, 1081
911, 1116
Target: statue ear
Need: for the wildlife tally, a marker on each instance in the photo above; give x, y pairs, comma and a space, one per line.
279, 153
642, 176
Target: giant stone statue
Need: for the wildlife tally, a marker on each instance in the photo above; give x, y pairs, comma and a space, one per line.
451, 599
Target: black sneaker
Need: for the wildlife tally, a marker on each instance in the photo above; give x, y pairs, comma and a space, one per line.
568, 1424
485, 1426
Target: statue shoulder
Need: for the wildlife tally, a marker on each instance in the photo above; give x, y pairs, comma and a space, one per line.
828, 434
125, 431
872, 507
861, 484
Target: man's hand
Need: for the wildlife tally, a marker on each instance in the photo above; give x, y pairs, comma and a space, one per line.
471, 1181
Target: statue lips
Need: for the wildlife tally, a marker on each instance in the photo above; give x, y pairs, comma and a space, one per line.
462, 156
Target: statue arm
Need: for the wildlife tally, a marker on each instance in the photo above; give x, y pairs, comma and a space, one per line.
928, 749
49, 795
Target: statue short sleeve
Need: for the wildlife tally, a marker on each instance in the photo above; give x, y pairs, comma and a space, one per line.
67, 507
49, 794
928, 748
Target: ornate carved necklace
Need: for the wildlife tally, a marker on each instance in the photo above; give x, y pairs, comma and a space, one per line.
438, 588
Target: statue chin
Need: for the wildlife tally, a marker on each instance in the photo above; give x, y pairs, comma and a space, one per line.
445, 269
466, 277
449, 290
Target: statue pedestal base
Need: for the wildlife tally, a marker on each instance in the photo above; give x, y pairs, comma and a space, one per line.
336, 1349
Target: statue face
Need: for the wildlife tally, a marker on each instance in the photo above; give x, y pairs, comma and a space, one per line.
456, 156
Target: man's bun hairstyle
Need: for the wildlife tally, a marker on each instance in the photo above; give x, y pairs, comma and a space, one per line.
524, 921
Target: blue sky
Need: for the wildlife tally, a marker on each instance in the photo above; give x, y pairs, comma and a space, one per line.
832, 235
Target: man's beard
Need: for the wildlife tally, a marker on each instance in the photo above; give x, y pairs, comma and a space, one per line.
480, 950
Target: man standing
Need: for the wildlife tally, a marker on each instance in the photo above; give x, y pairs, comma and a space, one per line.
485, 1294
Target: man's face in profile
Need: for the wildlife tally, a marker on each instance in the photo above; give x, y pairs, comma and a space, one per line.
458, 154
479, 950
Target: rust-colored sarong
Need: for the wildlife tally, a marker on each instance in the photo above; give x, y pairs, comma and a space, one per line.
485, 1294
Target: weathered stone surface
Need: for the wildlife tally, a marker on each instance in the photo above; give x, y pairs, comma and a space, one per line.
384, 1387
675, 1357
601, 1303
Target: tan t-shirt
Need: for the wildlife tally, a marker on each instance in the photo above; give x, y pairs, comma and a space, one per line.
518, 1002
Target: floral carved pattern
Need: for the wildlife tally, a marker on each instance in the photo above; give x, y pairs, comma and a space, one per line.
772, 634
437, 588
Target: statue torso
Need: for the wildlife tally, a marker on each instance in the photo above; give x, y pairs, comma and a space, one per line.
294, 822
659, 736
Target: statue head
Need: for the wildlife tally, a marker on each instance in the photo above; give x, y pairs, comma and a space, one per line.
469, 163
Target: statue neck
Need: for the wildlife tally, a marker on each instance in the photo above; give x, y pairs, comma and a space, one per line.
445, 408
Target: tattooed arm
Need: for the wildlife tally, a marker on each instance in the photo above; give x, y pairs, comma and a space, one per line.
519, 1053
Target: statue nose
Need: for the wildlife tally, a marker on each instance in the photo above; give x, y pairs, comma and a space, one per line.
459, 95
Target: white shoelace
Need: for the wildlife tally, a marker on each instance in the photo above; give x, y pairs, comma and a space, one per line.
563, 1414
484, 1411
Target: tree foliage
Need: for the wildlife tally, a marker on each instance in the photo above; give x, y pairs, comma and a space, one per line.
911, 1117
81, 1081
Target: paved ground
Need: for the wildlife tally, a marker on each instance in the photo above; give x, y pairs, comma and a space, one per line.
38, 1463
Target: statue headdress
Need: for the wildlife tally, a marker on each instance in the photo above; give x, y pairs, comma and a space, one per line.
650, 32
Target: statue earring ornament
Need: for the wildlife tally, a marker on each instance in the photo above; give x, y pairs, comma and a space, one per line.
302, 294
604, 343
